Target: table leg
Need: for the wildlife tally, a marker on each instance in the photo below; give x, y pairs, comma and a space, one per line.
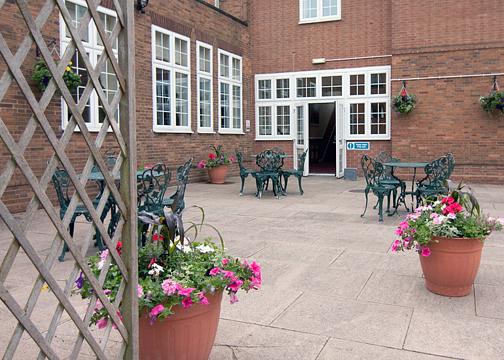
401, 199
413, 189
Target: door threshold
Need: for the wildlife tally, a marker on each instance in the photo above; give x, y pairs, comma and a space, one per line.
320, 174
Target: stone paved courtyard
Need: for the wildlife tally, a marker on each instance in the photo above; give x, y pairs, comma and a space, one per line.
332, 289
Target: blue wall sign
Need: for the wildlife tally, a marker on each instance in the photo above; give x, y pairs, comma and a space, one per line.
358, 145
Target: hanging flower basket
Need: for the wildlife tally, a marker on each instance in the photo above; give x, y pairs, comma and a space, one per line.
404, 103
41, 76
493, 101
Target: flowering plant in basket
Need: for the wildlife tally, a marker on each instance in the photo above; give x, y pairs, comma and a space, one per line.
457, 215
216, 158
174, 270
404, 103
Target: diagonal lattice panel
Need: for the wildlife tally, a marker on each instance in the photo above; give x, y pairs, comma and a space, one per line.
125, 200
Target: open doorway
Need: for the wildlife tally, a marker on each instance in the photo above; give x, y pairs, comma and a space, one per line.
322, 132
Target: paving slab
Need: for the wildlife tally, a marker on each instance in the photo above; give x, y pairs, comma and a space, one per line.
347, 319
459, 336
388, 288
241, 341
336, 349
489, 301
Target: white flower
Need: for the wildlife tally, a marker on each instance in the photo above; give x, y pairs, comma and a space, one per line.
500, 221
451, 216
185, 247
205, 248
439, 220
156, 270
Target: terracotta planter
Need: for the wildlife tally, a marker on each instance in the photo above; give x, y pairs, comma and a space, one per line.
188, 334
218, 174
451, 268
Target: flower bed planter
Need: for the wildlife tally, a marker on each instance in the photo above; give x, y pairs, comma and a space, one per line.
187, 334
452, 265
217, 175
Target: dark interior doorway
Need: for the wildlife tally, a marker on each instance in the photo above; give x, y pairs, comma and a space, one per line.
322, 127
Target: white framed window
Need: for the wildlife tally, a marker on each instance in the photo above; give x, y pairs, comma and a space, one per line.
306, 87
369, 119
378, 84
319, 10
367, 86
230, 93
204, 80
274, 121
283, 88
264, 89
93, 113
332, 85
171, 86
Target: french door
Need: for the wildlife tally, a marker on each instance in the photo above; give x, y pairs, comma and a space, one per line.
301, 139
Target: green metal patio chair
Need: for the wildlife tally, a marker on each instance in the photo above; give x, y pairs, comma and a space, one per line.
298, 173
153, 184
270, 163
244, 172
388, 178
177, 200
436, 180
63, 185
373, 172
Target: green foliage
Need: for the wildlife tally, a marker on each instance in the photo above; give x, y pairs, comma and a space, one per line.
493, 101
216, 158
41, 76
404, 104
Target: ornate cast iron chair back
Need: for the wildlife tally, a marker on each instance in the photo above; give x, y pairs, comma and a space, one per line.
438, 172
385, 157
269, 160
301, 161
153, 185
372, 169
182, 179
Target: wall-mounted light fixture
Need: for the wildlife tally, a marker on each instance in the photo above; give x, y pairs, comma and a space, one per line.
141, 5
318, 61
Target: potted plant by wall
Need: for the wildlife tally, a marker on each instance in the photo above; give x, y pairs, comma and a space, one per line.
41, 76
493, 101
404, 103
217, 165
448, 234
181, 283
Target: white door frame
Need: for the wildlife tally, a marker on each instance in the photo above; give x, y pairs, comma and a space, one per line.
340, 134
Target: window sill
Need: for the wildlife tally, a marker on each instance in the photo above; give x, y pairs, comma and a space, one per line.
320, 20
273, 138
206, 131
368, 138
173, 131
231, 132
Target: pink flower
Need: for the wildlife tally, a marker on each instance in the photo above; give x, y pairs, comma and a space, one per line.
201, 164
212, 156
396, 245
156, 310
232, 159
235, 285
140, 291
425, 251
187, 302
214, 271
256, 282
169, 287
202, 298
185, 291
102, 323
98, 305
233, 298
255, 268
225, 262
448, 200
228, 274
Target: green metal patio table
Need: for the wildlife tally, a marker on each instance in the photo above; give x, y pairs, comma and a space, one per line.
402, 196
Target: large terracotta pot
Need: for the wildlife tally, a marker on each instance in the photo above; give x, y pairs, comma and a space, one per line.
452, 266
188, 334
218, 174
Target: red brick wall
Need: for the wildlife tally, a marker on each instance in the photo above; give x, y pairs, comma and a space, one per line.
187, 17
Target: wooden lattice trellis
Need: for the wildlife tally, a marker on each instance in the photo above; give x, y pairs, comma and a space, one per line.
125, 198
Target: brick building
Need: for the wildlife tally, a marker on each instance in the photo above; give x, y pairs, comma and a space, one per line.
296, 74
